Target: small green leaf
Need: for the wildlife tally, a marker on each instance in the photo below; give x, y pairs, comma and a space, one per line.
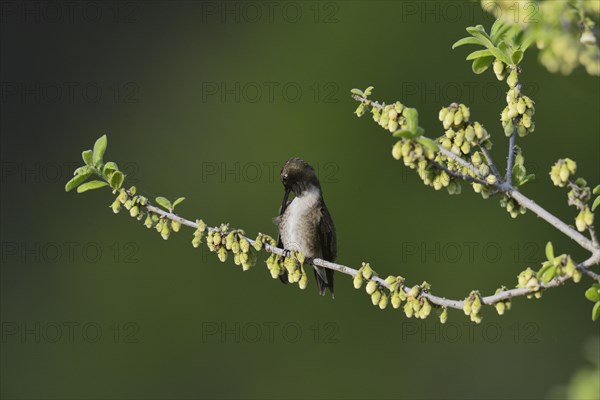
87, 157
164, 202
430, 144
82, 170
110, 167
596, 311
517, 57
467, 40
403, 134
76, 181
592, 294
596, 204
358, 92
498, 30
116, 180
482, 64
91, 186
500, 54
549, 251
597, 190
99, 149
478, 54
544, 268
528, 40
479, 33
368, 91
412, 119
549, 274
179, 200
528, 178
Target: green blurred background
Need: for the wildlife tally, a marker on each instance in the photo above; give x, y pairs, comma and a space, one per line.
206, 100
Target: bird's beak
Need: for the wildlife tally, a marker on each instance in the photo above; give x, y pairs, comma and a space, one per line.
285, 199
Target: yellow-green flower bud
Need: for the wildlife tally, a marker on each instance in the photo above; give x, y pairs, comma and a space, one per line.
303, 281
165, 232
465, 148
458, 117
442, 114
366, 271
175, 226
512, 79
444, 316
222, 254
413, 292
116, 206
408, 309
449, 119
521, 107
358, 281
383, 301
375, 297
467, 306
397, 150
396, 301
371, 287
499, 69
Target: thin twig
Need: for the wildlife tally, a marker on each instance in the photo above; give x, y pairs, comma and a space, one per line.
511, 158
490, 161
458, 174
552, 220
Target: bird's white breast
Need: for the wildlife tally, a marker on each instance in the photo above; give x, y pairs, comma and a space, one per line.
297, 228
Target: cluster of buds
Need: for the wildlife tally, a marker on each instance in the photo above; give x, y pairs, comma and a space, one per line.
411, 152
396, 288
391, 116
222, 240
502, 306
512, 206
236, 242
454, 115
261, 240
136, 205
472, 306
164, 226
416, 304
215, 241
373, 289
292, 266
584, 220
560, 266
561, 171
528, 280
275, 265
133, 203
580, 194
517, 115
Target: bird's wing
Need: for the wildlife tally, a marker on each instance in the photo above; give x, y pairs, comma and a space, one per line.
327, 240
326, 232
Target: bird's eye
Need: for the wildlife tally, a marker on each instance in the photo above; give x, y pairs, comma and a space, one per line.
284, 178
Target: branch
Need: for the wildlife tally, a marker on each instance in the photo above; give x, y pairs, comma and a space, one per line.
490, 161
509, 189
511, 158
554, 221
439, 301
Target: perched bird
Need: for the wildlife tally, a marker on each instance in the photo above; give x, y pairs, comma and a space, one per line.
304, 223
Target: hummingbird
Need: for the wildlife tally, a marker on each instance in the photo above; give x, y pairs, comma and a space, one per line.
304, 223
